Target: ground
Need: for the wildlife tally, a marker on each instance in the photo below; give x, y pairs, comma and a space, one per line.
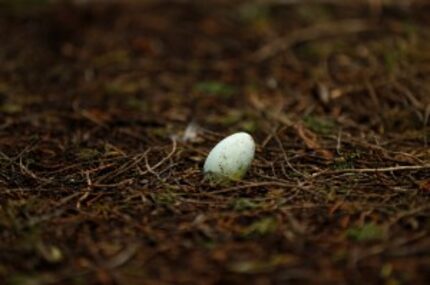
108, 110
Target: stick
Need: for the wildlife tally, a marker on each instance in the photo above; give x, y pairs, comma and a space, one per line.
374, 170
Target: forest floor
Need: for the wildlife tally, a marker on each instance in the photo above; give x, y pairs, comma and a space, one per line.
107, 112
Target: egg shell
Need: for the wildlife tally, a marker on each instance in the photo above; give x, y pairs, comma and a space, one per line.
230, 158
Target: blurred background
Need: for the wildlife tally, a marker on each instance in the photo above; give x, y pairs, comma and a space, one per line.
109, 108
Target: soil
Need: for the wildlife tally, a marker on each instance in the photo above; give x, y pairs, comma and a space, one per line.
108, 110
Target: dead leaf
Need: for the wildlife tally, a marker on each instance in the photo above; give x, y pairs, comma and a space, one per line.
311, 141
425, 186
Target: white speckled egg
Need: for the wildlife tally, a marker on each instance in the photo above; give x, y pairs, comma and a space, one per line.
230, 158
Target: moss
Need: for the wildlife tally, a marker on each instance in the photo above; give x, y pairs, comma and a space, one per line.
367, 232
261, 227
215, 88
243, 204
11, 108
320, 125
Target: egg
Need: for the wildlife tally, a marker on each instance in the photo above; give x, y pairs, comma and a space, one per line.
231, 158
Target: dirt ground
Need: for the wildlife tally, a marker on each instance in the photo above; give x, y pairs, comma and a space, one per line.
108, 110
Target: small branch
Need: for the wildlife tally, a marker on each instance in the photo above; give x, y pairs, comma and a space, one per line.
374, 170
151, 169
